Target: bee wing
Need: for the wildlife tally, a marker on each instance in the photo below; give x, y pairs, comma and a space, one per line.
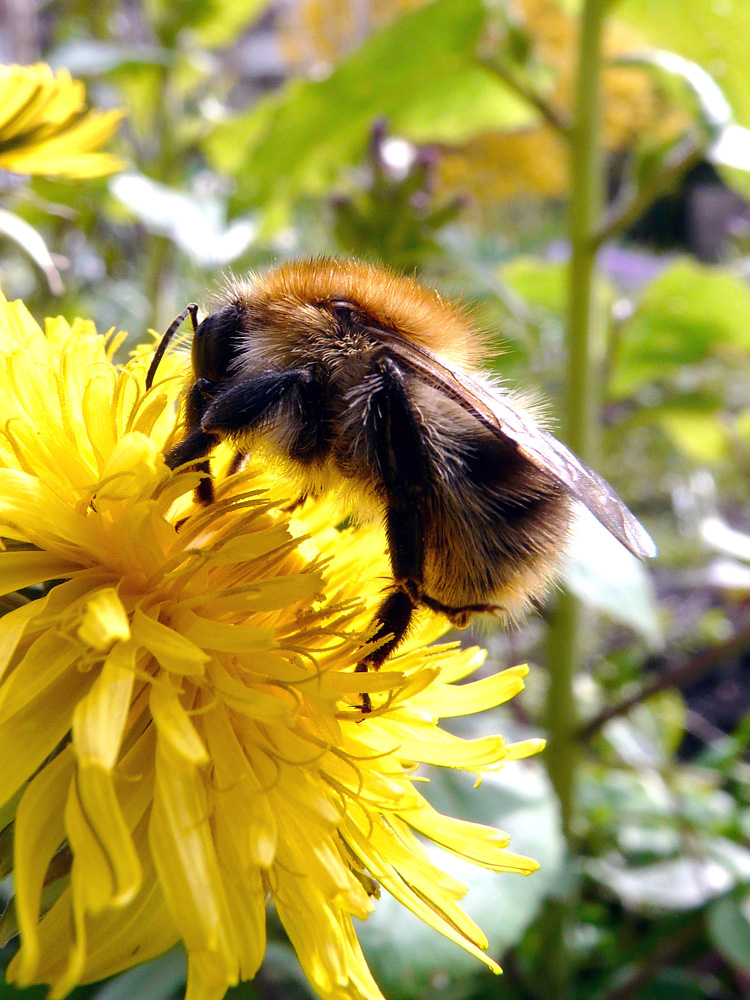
540, 447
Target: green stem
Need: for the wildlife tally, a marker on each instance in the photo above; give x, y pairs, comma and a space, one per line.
586, 211
584, 336
584, 341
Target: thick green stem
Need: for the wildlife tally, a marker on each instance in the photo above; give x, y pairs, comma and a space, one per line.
584, 343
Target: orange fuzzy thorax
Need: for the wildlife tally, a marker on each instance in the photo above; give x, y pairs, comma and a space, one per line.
392, 300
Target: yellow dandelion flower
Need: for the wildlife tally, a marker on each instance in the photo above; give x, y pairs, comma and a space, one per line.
45, 128
181, 739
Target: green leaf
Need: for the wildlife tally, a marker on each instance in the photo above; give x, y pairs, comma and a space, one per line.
220, 22
700, 435
214, 22
688, 314
540, 283
421, 72
407, 957
604, 575
680, 884
729, 929
704, 95
157, 980
712, 34
674, 984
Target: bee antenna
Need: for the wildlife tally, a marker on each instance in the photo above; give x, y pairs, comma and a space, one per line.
174, 326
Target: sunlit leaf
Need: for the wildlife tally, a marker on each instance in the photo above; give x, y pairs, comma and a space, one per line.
420, 72
731, 154
221, 22
689, 313
682, 883
697, 434
712, 34
605, 576
709, 103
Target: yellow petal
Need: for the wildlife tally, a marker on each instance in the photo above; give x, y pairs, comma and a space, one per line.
171, 650
173, 724
250, 820
117, 939
99, 718
224, 638
133, 466
39, 834
22, 569
482, 845
36, 706
451, 700
524, 748
183, 851
442, 748
104, 621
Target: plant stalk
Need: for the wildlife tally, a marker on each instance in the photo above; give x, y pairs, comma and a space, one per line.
585, 341
585, 338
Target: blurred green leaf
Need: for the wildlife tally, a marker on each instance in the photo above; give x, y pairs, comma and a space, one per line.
689, 313
699, 435
157, 980
682, 883
704, 96
219, 23
674, 985
214, 22
540, 283
713, 34
420, 72
729, 929
650, 734
604, 575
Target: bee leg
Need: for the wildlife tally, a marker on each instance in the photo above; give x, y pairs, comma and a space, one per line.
197, 442
460, 617
291, 400
394, 617
404, 470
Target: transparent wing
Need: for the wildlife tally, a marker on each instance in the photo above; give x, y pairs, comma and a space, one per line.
540, 447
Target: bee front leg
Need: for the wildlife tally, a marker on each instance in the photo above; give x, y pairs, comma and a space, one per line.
197, 442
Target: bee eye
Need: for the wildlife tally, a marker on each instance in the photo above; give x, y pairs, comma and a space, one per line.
344, 309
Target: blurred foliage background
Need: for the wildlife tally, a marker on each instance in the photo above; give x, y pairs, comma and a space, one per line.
598, 221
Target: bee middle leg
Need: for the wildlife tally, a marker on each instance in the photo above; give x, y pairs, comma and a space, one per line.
460, 617
398, 442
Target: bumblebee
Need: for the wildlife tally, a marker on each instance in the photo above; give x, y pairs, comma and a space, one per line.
365, 384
